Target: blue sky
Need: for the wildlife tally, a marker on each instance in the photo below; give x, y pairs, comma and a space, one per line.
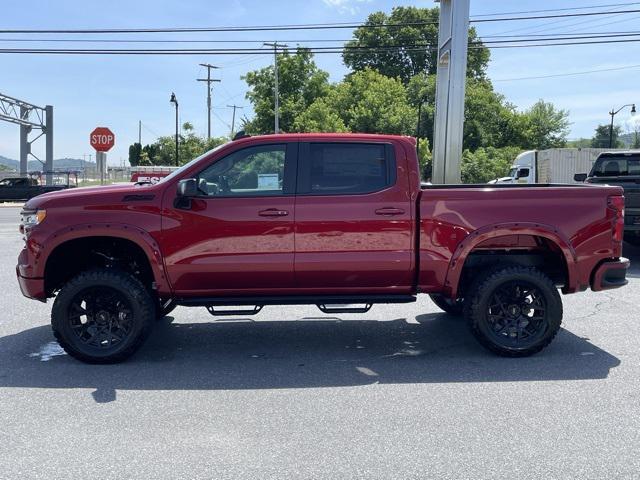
117, 91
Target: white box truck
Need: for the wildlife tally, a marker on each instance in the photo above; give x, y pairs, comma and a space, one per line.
556, 165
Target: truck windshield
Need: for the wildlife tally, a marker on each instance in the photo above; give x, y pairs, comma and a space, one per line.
616, 166
184, 167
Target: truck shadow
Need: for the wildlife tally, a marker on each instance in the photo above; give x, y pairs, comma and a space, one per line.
308, 353
632, 253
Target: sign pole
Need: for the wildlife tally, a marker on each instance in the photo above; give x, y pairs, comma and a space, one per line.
103, 140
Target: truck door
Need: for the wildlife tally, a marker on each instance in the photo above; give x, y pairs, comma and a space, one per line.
237, 235
353, 218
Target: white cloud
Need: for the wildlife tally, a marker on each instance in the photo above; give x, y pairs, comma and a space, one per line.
346, 6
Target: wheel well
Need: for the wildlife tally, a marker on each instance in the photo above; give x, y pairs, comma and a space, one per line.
74, 256
523, 250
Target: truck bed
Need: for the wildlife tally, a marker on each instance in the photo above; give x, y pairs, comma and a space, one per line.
456, 219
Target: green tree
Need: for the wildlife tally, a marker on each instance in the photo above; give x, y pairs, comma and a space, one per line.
163, 150
579, 143
366, 102
547, 126
417, 40
489, 119
300, 83
487, 163
134, 154
601, 137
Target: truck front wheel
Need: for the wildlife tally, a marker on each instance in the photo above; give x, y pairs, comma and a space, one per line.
514, 311
102, 316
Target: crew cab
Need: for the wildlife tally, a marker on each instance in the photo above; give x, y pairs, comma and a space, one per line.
621, 168
24, 188
340, 221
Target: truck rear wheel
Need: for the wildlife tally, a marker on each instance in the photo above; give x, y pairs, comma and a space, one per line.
102, 316
514, 311
452, 307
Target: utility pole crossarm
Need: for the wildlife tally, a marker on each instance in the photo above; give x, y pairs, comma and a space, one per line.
209, 81
233, 118
275, 46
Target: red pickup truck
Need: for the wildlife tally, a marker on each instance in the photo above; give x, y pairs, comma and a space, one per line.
337, 221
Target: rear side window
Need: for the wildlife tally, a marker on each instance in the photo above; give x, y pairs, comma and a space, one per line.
616, 166
346, 168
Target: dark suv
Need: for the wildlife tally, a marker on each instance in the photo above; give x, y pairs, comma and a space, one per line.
620, 168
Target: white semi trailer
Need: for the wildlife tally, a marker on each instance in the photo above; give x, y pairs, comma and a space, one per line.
556, 165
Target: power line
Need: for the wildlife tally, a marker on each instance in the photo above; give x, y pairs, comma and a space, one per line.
541, 17
317, 50
558, 9
567, 74
316, 26
545, 27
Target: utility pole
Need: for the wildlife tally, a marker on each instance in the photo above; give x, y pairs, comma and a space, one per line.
233, 118
275, 46
209, 81
453, 36
140, 132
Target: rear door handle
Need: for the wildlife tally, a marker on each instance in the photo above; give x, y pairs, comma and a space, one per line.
389, 211
273, 212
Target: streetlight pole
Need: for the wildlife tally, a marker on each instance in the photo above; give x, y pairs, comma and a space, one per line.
174, 100
613, 114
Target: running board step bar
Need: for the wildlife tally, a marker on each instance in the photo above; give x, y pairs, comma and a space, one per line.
228, 312
326, 300
344, 308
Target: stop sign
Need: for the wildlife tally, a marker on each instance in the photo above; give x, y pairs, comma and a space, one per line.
102, 139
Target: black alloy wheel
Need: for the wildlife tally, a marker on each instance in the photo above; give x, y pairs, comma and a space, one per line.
514, 311
102, 316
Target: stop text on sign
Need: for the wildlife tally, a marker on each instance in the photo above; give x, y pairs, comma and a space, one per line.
102, 139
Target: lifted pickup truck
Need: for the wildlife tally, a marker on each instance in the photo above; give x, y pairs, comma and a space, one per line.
334, 220
23, 188
621, 168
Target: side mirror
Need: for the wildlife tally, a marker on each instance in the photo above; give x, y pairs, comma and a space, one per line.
580, 177
187, 188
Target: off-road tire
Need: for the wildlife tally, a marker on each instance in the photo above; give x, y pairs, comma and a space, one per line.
452, 307
483, 290
142, 307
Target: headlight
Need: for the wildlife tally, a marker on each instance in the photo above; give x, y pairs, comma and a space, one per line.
31, 218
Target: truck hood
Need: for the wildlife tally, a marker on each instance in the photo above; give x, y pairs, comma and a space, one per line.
87, 195
501, 180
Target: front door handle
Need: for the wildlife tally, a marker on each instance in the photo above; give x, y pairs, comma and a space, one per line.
273, 212
389, 211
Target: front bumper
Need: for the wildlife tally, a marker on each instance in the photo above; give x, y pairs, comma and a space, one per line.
32, 287
610, 274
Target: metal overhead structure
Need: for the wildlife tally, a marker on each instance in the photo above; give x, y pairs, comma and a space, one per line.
30, 117
453, 36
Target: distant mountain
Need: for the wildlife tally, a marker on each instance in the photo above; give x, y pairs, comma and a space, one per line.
59, 164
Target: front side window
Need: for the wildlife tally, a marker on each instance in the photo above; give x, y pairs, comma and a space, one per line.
253, 171
348, 168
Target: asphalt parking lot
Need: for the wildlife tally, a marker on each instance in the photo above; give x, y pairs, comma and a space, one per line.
401, 392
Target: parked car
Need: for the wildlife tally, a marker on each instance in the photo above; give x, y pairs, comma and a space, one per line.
620, 168
24, 188
333, 220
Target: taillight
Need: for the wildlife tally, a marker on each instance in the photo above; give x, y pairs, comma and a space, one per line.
616, 203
